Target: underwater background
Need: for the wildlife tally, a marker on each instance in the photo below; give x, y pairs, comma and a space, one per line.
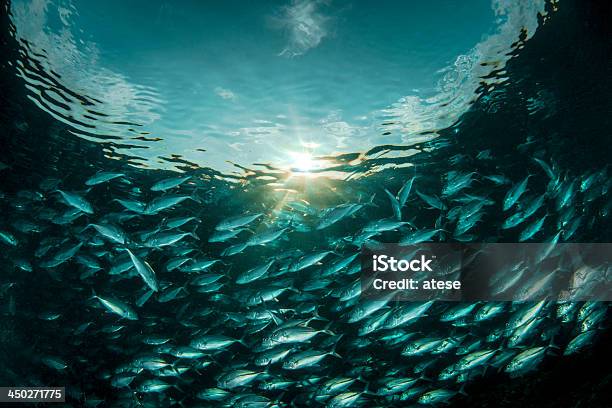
171, 241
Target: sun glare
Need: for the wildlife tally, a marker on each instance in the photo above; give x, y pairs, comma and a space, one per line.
302, 162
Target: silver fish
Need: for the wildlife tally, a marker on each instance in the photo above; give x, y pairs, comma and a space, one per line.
145, 271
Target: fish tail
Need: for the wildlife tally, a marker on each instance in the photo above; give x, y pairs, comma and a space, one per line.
333, 350
317, 316
370, 202
242, 340
93, 294
326, 329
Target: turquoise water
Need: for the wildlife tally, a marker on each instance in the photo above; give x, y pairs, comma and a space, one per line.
246, 153
266, 82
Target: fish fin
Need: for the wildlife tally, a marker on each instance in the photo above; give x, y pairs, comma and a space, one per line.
326, 329
333, 350
425, 378
552, 345
317, 316
484, 370
146, 298
366, 390
195, 197
182, 311
292, 290
277, 320
179, 389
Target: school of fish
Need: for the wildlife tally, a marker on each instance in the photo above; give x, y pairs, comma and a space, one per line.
261, 307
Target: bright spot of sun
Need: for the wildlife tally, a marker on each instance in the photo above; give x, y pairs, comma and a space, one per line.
302, 162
